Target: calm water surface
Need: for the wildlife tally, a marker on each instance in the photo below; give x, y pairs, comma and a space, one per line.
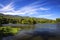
51, 28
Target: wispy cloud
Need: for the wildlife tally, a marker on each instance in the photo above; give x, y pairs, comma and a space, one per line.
9, 7
37, 8
26, 10
49, 16
46, 15
42, 8
9, 13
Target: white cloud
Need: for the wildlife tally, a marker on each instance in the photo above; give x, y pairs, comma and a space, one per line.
42, 8
9, 7
47, 15
26, 10
9, 13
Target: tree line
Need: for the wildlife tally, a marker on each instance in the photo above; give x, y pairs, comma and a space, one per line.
6, 19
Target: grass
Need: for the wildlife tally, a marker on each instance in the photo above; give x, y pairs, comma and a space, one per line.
15, 30
9, 29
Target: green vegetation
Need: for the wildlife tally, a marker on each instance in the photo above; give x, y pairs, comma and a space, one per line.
14, 19
8, 31
58, 20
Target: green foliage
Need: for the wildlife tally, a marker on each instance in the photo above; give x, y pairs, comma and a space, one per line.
6, 19
6, 31
57, 20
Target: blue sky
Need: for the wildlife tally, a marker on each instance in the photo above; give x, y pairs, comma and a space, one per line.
34, 8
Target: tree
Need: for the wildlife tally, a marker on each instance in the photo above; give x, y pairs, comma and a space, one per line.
58, 20
6, 19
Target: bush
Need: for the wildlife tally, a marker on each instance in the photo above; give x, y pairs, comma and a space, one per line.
8, 31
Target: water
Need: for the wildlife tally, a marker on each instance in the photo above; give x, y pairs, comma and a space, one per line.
8, 38
39, 30
46, 27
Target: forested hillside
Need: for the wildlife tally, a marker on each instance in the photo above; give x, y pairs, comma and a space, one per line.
14, 19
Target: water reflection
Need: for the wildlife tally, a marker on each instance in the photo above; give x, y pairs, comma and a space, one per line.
40, 32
